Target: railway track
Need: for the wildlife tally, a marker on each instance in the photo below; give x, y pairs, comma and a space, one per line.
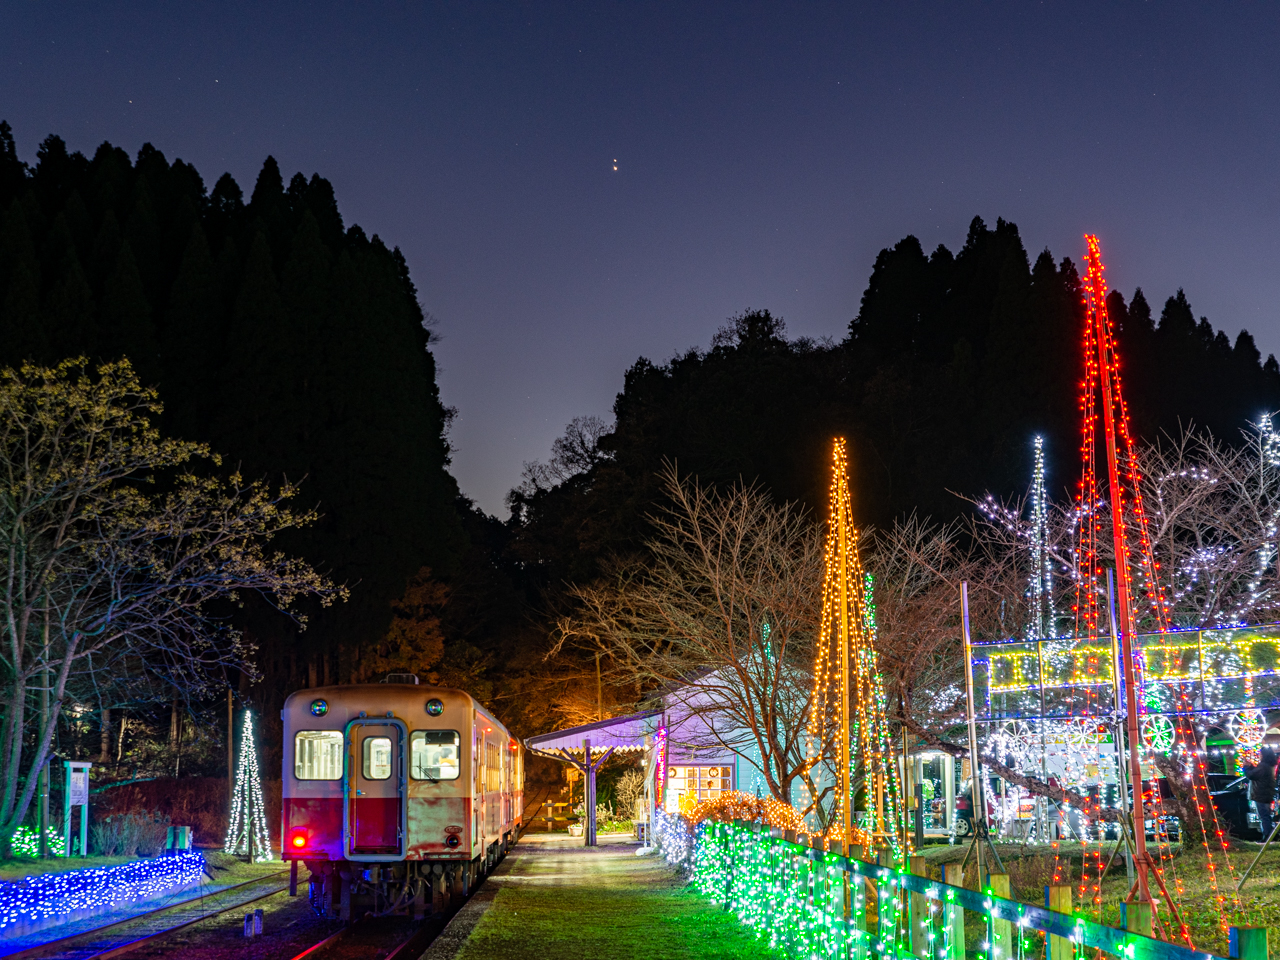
385, 938
129, 933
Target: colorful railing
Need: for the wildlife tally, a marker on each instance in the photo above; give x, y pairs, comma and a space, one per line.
794, 895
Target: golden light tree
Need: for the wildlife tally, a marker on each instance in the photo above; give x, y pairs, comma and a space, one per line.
849, 689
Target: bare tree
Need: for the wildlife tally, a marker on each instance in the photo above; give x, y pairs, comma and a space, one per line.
721, 614
108, 582
574, 453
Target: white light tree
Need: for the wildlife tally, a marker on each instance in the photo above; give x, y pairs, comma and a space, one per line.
247, 831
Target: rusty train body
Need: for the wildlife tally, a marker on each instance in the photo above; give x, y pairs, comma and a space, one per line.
397, 796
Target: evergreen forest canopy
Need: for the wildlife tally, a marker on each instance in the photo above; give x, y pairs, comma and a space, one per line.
295, 345
952, 364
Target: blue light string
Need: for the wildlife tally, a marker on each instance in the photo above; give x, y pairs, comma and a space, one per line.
44, 896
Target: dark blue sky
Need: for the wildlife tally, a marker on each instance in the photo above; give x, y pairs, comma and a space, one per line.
765, 153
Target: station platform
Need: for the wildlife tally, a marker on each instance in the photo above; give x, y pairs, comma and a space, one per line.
552, 897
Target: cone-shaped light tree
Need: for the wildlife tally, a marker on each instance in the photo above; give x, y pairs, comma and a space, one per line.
849, 690
247, 831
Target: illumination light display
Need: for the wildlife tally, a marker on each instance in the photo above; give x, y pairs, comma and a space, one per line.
1044, 619
739, 805
26, 842
676, 838
1101, 392
848, 637
1218, 671
660, 767
793, 896
42, 897
1269, 492
247, 832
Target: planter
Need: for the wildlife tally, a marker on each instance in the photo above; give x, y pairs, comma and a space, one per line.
575, 829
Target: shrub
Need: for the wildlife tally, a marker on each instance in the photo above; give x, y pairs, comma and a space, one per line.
131, 834
197, 802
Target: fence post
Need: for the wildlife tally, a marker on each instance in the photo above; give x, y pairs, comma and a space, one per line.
918, 912
1136, 918
1247, 943
1000, 931
871, 909
771, 859
1057, 897
730, 842
953, 913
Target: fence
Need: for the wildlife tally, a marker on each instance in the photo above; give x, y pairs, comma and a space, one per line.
794, 894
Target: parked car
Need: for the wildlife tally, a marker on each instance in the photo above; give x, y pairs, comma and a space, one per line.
964, 815
1230, 795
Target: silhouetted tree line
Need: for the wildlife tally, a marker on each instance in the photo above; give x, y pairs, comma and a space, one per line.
295, 345
952, 364
290, 342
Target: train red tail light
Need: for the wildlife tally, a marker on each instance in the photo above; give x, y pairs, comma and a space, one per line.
298, 839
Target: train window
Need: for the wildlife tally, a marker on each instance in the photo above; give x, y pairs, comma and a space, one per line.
377, 758
317, 755
435, 754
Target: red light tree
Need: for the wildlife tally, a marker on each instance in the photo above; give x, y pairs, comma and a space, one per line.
1134, 554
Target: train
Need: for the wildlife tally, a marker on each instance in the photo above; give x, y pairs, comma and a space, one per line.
397, 796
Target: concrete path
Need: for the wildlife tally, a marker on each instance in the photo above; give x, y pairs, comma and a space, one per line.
554, 899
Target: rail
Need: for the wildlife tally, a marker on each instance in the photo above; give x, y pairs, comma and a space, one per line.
807, 901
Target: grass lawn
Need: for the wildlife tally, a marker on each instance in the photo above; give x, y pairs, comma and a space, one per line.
561, 901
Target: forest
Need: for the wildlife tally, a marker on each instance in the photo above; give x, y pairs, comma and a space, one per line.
297, 348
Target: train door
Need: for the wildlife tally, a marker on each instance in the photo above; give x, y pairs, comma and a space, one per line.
375, 790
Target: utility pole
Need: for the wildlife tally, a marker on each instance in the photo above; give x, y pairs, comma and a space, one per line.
599, 690
42, 784
231, 747
977, 800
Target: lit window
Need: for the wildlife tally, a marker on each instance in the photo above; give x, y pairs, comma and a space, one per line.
435, 754
317, 755
696, 784
377, 758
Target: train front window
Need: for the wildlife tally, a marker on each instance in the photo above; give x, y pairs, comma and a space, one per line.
377, 758
435, 754
317, 755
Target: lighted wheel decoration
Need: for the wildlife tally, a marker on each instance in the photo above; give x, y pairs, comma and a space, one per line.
1158, 733
1018, 739
1248, 729
1085, 733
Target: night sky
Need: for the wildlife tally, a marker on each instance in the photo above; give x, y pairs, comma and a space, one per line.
764, 153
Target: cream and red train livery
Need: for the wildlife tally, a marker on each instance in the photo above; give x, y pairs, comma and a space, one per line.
395, 793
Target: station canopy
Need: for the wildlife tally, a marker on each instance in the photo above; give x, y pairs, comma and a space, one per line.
619, 734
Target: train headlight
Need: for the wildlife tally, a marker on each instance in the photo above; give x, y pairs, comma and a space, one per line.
435, 707
319, 708
298, 839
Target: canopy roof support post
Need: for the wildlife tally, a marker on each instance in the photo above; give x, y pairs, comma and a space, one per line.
589, 796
